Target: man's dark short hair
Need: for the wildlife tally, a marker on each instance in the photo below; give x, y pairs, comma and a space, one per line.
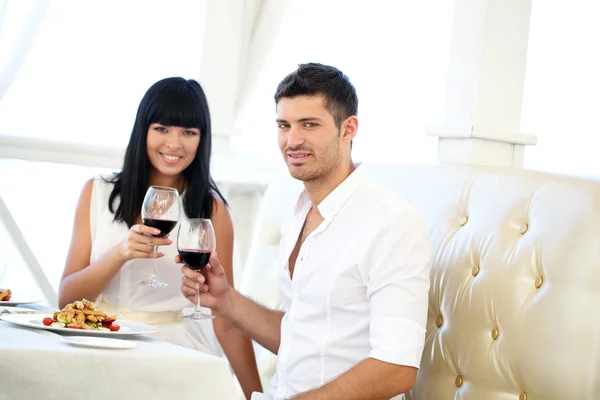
314, 79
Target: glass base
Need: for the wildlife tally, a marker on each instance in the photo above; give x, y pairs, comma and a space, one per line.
152, 282
197, 315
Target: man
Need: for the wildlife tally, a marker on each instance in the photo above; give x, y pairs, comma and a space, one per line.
354, 261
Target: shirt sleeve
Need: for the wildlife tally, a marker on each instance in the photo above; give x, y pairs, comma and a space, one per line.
398, 290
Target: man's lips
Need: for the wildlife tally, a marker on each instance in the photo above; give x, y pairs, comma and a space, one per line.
297, 158
298, 155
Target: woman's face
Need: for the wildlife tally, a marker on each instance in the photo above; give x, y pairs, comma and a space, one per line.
171, 149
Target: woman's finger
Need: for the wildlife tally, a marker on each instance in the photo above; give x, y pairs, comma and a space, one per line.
141, 247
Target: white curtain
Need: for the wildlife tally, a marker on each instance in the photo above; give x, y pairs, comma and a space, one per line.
262, 19
20, 21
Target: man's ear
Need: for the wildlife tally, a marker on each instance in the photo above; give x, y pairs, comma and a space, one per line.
349, 128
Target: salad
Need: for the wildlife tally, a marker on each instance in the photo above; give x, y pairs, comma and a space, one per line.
82, 315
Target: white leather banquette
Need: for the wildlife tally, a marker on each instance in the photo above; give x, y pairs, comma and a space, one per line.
514, 307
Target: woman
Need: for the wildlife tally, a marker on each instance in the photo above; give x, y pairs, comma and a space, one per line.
111, 249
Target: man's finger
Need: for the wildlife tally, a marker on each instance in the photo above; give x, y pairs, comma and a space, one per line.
215, 265
190, 283
192, 275
190, 294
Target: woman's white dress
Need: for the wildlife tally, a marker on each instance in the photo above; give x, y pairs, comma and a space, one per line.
161, 307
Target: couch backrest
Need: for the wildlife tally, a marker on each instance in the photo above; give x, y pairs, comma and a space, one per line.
514, 307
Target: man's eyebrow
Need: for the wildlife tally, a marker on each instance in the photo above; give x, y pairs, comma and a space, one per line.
305, 119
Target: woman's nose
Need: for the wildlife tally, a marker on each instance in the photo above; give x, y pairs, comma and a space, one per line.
174, 142
174, 146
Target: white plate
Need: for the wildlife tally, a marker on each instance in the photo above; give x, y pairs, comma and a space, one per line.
16, 300
128, 328
99, 342
20, 310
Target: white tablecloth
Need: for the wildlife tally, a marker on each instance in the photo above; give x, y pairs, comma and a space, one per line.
37, 364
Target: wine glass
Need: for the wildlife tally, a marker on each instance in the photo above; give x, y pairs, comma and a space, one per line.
195, 242
160, 210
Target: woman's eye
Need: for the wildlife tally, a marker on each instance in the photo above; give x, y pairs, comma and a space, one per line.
160, 129
189, 133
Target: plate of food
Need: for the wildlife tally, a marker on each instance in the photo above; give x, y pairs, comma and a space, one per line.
7, 298
80, 317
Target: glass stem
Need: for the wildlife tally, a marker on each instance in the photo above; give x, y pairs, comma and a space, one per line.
155, 262
197, 300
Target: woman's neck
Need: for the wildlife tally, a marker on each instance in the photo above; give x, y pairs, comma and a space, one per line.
174, 181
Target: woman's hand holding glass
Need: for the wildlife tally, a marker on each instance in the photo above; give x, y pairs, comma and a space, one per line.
140, 243
160, 211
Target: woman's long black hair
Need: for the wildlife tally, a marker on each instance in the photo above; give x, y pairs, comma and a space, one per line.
169, 102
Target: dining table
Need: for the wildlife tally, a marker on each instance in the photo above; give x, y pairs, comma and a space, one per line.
43, 364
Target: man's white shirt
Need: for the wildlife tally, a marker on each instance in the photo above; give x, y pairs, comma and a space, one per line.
359, 288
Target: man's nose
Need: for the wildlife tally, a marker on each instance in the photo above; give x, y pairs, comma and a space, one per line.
294, 139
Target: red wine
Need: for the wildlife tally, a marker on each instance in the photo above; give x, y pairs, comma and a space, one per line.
195, 259
164, 226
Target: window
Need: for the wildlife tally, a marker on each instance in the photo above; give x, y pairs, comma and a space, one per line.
561, 100
42, 198
91, 63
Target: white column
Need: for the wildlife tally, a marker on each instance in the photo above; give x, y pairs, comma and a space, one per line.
486, 77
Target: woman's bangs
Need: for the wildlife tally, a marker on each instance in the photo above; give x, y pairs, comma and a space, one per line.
178, 108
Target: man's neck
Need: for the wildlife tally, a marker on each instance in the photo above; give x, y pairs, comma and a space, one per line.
319, 189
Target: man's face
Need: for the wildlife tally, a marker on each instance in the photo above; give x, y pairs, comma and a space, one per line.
310, 142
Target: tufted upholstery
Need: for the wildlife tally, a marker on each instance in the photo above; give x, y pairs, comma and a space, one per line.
515, 297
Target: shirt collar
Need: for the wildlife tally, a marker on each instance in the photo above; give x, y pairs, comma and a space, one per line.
334, 201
